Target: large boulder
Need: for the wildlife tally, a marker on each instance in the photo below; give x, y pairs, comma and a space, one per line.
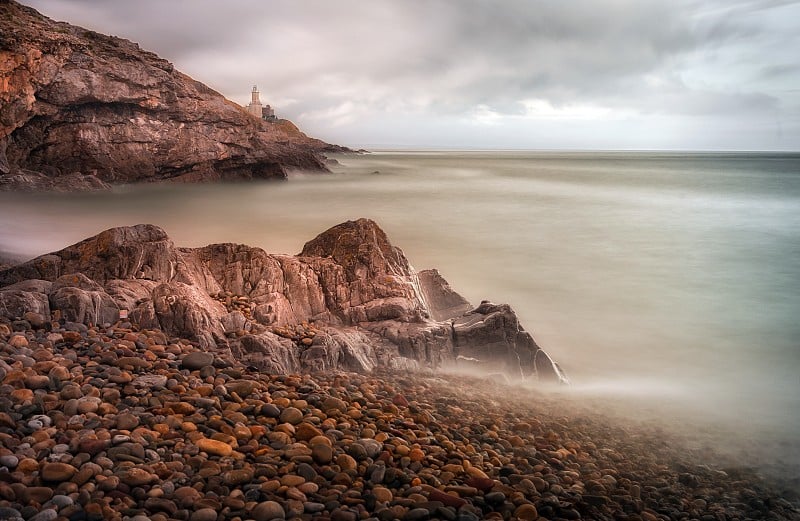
441, 301
14, 303
350, 300
133, 252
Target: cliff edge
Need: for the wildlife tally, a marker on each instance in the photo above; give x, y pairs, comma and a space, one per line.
80, 110
350, 300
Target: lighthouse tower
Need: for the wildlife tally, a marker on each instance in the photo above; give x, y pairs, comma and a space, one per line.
255, 107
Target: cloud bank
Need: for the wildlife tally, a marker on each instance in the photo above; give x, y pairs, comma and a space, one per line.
515, 74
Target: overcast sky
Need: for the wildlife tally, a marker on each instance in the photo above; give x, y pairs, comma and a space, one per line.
578, 74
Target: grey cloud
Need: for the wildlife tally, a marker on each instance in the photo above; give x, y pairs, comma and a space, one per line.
445, 58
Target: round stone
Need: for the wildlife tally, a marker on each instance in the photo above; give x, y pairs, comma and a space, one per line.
291, 415
417, 514
332, 405
346, 462
416, 455
136, 477
495, 498
270, 410
60, 501
18, 341
204, 514
58, 472
373, 448
526, 512
214, 447
45, 515
322, 454
127, 422
9, 460
13, 514
382, 494
38, 494
197, 360
237, 476
268, 510
305, 431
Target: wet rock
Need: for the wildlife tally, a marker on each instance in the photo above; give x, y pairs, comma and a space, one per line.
58, 472
45, 515
214, 447
268, 510
350, 301
136, 477
127, 421
291, 415
204, 514
197, 360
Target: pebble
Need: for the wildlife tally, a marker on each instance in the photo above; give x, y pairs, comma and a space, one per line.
382, 494
417, 514
526, 512
45, 515
10, 514
9, 460
58, 472
322, 454
115, 423
197, 360
204, 514
291, 415
214, 447
268, 510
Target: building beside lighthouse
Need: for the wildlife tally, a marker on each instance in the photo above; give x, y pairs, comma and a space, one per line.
257, 109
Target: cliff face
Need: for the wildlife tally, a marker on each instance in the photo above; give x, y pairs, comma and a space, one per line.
72, 100
349, 300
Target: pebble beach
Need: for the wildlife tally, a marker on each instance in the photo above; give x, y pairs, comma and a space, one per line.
117, 423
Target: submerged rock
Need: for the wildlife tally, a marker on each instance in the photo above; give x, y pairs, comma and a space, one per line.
350, 300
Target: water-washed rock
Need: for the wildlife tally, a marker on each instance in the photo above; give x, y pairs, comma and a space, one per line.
268, 510
349, 301
197, 360
368, 446
214, 447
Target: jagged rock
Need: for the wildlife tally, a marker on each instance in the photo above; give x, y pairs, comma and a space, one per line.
442, 302
132, 252
269, 352
29, 181
101, 110
350, 301
84, 307
14, 303
189, 312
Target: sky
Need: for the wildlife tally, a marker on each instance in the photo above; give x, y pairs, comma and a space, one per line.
516, 74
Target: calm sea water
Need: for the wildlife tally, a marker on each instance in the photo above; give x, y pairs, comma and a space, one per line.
670, 277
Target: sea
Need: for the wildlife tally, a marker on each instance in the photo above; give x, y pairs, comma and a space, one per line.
669, 279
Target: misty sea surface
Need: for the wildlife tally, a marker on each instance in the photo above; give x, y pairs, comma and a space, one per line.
667, 279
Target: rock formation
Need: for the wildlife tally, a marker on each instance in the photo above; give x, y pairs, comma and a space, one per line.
77, 103
349, 300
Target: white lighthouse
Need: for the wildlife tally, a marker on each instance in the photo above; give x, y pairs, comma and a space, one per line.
257, 109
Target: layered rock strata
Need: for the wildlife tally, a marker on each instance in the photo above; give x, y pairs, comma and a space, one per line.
349, 300
77, 103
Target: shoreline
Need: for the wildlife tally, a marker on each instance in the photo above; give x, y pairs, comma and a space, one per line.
118, 423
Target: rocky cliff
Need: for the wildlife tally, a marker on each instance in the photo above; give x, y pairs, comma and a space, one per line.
101, 110
349, 300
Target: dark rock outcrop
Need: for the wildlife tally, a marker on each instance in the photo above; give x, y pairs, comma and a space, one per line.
99, 109
349, 300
